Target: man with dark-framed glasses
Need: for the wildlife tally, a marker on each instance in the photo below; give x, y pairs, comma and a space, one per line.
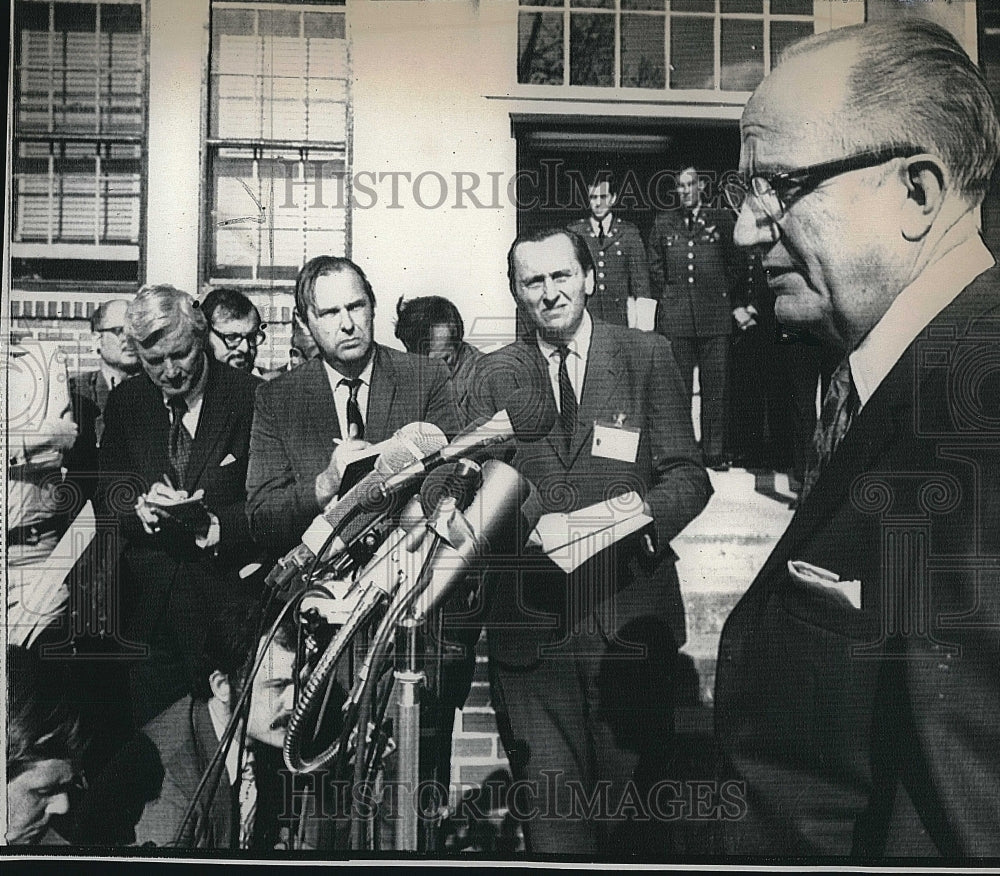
235, 330
857, 693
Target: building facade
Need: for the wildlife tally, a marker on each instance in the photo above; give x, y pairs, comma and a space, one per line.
225, 142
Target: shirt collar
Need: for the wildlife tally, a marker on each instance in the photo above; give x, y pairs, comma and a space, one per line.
606, 223
194, 395
334, 376
578, 344
112, 376
912, 309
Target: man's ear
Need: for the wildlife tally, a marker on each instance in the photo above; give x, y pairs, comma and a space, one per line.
218, 683
926, 183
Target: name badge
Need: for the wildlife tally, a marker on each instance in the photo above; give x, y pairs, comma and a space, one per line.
615, 440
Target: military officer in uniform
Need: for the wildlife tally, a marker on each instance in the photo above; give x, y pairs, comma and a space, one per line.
618, 254
697, 273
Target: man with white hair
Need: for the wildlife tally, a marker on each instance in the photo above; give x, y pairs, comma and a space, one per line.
857, 692
173, 470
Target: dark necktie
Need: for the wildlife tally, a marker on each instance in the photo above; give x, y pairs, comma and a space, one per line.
600, 233
180, 440
840, 404
689, 219
567, 398
353, 410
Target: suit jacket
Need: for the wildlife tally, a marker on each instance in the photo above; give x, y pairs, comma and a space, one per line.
875, 730
620, 268
171, 579
90, 393
295, 426
698, 274
628, 372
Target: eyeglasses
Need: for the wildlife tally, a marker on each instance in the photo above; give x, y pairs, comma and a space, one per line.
776, 192
233, 340
116, 330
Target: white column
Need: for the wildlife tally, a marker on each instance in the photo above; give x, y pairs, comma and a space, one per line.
178, 65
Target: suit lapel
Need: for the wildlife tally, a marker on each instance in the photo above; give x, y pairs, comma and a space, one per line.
152, 433
213, 424
601, 381
380, 396
874, 427
316, 411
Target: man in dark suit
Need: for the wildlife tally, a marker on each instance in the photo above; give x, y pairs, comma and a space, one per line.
181, 427
857, 694
142, 797
698, 276
621, 271
582, 663
309, 420
119, 361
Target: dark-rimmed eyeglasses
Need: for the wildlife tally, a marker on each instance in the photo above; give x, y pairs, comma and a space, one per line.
776, 192
232, 340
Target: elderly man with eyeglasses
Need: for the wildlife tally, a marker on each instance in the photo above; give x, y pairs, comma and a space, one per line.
857, 690
235, 331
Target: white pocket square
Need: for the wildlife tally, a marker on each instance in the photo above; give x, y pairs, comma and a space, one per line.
813, 576
229, 459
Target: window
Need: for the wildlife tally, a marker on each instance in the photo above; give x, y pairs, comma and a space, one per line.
78, 140
277, 139
704, 45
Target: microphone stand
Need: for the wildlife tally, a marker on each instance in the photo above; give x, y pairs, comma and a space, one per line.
448, 526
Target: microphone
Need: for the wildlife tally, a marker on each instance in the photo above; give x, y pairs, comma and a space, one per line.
491, 519
528, 416
363, 504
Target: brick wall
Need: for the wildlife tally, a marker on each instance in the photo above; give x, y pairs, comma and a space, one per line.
65, 317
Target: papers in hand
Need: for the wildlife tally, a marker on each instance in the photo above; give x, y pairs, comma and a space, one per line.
640, 313
36, 594
571, 539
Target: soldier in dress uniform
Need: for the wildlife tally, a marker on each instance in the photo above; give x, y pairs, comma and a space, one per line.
697, 274
618, 254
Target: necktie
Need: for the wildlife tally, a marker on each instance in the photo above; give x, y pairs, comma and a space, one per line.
247, 799
353, 410
600, 233
567, 398
180, 440
839, 407
689, 219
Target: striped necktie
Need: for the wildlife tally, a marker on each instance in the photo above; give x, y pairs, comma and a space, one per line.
840, 405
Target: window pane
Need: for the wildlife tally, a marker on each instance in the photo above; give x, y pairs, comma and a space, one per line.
642, 52
784, 33
743, 6
540, 48
121, 17
279, 22
543, 3
271, 214
325, 25
657, 5
792, 7
76, 17
692, 6
691, 55
742, 54
592, 50
595, 4
238, 22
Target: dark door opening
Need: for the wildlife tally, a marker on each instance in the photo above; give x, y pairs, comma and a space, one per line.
556, 161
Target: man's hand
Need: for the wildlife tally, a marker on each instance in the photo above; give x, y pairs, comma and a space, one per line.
328, 480
153, 508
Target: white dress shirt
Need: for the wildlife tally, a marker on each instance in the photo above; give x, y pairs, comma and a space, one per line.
912, 310
596, 226
342, 393
576, 361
